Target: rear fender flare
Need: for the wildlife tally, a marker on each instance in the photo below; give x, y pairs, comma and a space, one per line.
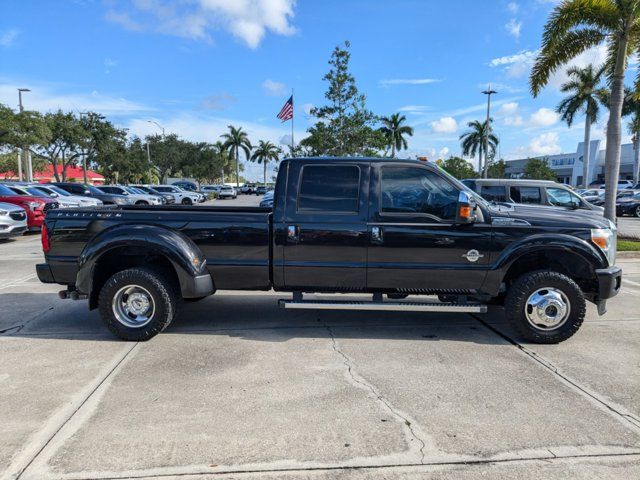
185, 256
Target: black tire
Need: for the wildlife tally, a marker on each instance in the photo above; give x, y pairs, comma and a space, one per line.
636, 212
186, 201
524, 287
142, 202
165, 301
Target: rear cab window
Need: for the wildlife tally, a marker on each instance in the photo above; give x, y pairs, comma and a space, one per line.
329, 189
525, 195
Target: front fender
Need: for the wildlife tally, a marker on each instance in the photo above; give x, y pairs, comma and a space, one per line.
184, 255
566, 244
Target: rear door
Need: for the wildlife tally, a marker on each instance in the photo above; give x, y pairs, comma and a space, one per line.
415, 244
324, 231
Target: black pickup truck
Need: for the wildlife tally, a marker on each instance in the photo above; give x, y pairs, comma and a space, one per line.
388, 228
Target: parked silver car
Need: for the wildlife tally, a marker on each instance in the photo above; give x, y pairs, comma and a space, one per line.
227, 191
13, 220
59, 194
135, 198
181, 196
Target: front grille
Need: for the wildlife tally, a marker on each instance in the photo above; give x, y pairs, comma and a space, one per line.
50, 206
18, 215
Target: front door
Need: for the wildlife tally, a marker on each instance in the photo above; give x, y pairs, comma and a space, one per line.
415, 244
324, 232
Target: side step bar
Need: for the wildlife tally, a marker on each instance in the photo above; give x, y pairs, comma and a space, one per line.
384, 306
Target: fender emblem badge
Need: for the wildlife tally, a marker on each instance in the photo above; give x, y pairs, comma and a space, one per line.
473, 255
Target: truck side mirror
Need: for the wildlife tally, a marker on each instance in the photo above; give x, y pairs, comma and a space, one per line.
466, 208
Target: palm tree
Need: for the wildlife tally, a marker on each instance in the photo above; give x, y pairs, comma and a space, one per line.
264, 153
573, 27
234, 141
631, 107
584, 96
473, 141
394, 131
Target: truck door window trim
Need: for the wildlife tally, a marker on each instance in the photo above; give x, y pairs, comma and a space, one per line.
304, 211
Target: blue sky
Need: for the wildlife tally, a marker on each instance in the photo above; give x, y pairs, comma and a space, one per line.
195, 66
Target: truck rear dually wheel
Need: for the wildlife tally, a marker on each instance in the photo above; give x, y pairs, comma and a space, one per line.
545, 306
138, 303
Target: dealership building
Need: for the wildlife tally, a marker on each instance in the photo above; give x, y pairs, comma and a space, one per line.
568, 166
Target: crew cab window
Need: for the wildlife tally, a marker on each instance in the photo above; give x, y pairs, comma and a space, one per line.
417, 190
494, 193
329, 188
562, 198
525, 194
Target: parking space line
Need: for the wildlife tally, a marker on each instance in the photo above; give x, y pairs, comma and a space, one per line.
39, 442
19, 281
627, 418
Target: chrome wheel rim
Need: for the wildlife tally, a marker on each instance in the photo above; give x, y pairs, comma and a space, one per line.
547, 308
637, 211
133, 306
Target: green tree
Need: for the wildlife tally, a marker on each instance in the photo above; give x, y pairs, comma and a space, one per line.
573, 27
394, 132
234, 141
126, 162
264, 153
538, 169
497, 169
168, 154
473, 141
584, 96
345, 125
99, 140
457, 167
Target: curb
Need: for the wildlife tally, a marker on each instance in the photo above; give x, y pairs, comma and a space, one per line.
628, 255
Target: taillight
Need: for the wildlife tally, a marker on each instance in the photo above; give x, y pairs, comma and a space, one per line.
44, 236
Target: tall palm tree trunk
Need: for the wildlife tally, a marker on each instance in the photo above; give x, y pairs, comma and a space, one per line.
586, 152
264, 177
480, 168
636, 159
614, 134
393, 150
237, 167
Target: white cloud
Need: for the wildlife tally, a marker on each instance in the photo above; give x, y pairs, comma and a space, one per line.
408, 81
516, 65
8, 37
509, 113
543, 117
445, 125
513, 27
247, 20
44, 98
508, 108
274, 88
513, 7
220, 101
307, 107
444, 152
545, 144
415, 109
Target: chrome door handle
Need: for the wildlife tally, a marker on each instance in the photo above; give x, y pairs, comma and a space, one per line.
293, 234
376, 235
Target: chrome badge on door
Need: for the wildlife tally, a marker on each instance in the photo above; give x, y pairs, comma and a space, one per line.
473, 255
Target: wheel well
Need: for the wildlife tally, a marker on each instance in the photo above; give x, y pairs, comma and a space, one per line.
121, 258
570, 264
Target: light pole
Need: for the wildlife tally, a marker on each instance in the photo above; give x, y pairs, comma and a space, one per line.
26, 160
157, 125
488, 92
84, 153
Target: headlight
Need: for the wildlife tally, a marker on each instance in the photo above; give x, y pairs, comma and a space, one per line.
605, 239
32, 205
3, 213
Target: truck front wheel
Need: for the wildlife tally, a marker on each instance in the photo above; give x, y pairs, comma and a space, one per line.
545, 306
138, 303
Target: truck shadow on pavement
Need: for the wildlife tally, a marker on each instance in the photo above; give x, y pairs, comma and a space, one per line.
250, 317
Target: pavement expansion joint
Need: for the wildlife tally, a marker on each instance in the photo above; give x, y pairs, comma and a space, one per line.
357, 379
629, 419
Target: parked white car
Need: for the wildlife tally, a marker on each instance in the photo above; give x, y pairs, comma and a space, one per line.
13, 220
135, 198
181, 196
63, 202
58, 194
227, 191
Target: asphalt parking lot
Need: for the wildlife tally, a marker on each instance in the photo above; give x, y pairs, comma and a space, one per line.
237, 388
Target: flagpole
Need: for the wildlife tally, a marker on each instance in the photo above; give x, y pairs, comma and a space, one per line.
292, 115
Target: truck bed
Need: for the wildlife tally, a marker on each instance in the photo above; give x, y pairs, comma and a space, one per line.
234, 240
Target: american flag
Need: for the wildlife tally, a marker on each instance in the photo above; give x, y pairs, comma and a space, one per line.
286, 113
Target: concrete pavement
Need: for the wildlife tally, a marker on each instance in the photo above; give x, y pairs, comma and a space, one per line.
237, 388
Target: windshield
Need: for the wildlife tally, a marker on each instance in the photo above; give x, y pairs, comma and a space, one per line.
6, 191
94, 190
38, 191
58, 190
